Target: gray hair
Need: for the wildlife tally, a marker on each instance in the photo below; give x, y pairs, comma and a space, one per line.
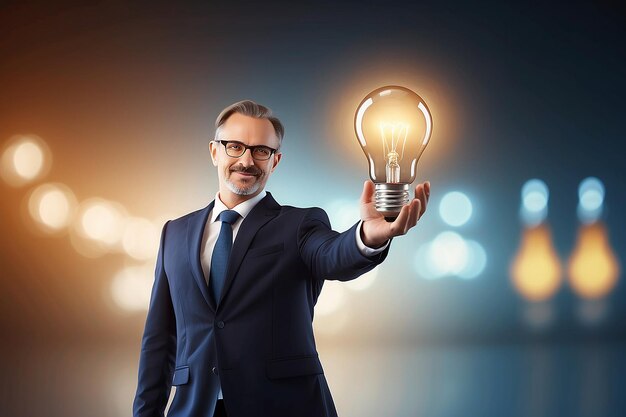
252, 109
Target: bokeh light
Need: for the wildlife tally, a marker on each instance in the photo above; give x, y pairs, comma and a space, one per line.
98, 227
536, 270
590, 199
131, 287
102, 221
476, 260
448, 253
455, 208
24, 159
52, 206
140, 239
593, 268
534, 207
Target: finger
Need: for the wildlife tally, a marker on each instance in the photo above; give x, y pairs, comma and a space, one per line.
368, 192
414, 216
398, 227
422, 196
423, 202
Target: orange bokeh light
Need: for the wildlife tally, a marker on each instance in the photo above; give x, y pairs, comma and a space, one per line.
536, 270
593, 268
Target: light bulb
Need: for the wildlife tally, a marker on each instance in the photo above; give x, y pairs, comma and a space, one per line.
393, 126
536, 270
593, 268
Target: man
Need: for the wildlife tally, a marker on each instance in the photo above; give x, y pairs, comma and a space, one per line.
230, 317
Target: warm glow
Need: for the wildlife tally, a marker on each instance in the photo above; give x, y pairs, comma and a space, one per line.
593, 268
364, 281
25, 159
28, 160
536, 271
101, 221
131, 287
51, 206
331, 298
140, 239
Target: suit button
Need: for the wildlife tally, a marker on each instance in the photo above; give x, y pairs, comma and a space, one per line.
220, 324
215, 371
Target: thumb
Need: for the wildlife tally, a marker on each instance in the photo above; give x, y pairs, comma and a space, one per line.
368, 192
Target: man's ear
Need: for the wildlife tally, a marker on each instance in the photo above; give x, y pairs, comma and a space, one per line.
276, 160
213, 151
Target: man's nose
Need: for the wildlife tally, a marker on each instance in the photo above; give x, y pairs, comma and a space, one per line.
246, 159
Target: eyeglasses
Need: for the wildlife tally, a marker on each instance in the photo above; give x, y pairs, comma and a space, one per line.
236, 149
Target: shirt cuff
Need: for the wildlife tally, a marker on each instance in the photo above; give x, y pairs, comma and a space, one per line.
366, 250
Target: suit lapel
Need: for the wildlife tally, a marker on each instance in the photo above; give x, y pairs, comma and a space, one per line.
263, 212
194, 236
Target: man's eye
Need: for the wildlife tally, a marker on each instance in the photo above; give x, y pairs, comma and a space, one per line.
262, 151
234, 147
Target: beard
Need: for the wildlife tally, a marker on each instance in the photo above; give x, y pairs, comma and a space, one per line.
246, 189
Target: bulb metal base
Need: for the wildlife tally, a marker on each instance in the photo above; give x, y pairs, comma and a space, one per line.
389, 199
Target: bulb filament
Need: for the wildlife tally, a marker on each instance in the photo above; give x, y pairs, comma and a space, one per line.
394, 137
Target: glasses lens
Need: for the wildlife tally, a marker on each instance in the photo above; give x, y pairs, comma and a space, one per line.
235, 149
261, 152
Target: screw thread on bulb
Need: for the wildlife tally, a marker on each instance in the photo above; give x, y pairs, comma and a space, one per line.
389, 199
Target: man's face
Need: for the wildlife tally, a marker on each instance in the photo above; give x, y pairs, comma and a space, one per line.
244, 177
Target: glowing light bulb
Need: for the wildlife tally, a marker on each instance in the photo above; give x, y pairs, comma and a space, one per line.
593, 268
536, 270
393, 126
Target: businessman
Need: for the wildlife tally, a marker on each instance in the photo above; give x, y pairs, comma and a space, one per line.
231, 310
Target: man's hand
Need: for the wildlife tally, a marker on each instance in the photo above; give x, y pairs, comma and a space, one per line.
375, 230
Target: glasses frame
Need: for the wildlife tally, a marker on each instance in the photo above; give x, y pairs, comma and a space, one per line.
246, 147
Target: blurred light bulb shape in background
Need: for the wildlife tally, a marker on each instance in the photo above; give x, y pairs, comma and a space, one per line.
593, 268
536, 270
393, 126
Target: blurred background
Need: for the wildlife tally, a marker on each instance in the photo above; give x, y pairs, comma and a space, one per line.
506, 299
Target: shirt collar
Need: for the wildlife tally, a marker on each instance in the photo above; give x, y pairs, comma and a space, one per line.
242, 208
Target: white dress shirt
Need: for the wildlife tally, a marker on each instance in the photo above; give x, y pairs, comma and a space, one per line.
212, 230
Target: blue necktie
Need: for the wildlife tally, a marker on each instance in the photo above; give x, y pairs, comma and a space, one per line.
221, 253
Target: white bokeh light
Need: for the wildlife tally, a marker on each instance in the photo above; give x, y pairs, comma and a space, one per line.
455, 208
590, 200
448, 253
476, 260
534, 208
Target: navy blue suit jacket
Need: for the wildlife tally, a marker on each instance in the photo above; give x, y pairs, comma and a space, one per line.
258, 340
